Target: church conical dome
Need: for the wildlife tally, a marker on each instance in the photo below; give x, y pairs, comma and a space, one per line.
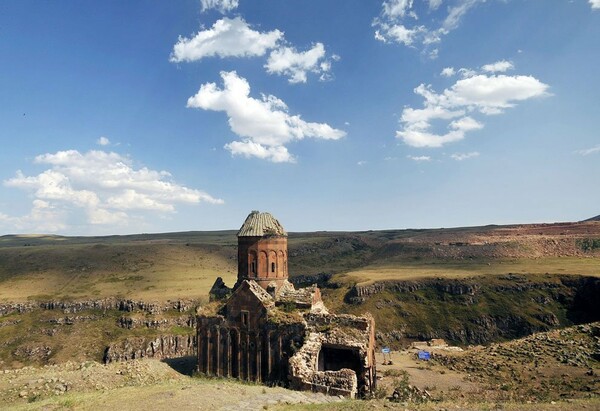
259, 224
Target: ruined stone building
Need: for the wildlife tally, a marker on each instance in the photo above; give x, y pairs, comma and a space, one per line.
264, 330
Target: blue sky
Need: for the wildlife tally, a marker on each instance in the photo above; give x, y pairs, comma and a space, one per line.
143, 116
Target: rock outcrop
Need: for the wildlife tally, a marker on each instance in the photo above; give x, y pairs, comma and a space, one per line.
164, 346
72, 307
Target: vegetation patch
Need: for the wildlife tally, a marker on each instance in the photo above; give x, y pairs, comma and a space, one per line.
589, 244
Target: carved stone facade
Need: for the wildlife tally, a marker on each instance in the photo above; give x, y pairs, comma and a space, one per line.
265, 330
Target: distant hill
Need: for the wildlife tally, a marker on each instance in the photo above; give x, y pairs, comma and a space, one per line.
597, 218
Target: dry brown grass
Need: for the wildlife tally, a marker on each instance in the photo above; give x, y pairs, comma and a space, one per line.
138, 271
467, 268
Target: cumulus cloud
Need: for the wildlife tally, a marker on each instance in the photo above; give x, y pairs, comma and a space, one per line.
398, 33
475, 93
396, 8
105, 186
287, 61
235, 38
419, 158
222, 6
43, 218
464, 156
400, 23
499, 66
226, 38
103, 141
448, 72
589, 151
264, 124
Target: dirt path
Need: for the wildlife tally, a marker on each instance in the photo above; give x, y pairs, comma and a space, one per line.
437, 380
136, 385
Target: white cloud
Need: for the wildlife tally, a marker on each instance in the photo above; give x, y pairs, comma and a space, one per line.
226, 38
419, 158
264, 125
235, 38
434, 4
589, 151
401, 34
103, 141
499, 66
103, 185
221, 5
448, 72
43, 218
456, 13
396, 8
471, 95
464, 156
248, 148
361, 162
397, 22
464, 72
295, 65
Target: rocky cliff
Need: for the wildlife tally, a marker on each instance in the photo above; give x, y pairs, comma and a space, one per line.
476, 310
161, 347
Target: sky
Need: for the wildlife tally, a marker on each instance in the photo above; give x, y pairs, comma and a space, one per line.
153, 116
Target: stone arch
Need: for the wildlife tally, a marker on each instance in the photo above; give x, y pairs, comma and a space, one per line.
243, 348
214, 350
280, 264
223, 369
235, 353
263, 269
273, 268
252, 264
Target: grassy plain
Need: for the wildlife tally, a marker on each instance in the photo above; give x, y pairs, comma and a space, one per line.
184, 265
407, 270
147, 270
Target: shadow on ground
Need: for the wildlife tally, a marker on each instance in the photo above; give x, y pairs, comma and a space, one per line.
183, 365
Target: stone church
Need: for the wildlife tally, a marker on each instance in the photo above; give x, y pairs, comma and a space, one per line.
264, 330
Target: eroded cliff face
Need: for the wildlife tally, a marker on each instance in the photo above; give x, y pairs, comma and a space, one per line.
111, 329
104, 304
477, 310
161, 347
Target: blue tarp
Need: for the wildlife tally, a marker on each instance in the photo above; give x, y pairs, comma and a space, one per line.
424, 355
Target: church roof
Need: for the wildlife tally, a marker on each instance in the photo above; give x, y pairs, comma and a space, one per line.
259, 224
252, 286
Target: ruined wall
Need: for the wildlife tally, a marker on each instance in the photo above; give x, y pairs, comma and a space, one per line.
258, 354
348, 336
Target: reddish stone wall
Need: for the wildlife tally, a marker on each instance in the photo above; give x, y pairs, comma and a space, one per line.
258, 354
245, 302
263, 259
